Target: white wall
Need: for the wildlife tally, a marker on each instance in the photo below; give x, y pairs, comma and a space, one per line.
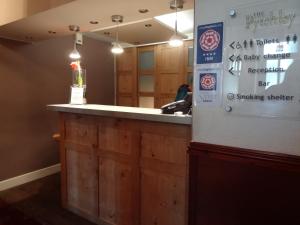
215, 126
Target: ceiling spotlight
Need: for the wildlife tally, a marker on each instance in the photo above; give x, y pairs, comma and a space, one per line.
143, 10
94, 22
28, 37
117, 48
74, 28
176, 40
106, 33
51, 32
148, 25
74, 54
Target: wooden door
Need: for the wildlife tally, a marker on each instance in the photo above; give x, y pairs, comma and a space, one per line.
127, 78
170, 72
163, 174
118, 172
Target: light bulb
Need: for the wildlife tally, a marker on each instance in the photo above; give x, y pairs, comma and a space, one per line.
175, 41
117, 48
74, 54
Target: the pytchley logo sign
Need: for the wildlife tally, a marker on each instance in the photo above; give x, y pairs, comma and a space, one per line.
263, 19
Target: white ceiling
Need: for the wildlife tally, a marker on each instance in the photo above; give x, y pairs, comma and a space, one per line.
139, 34
80, 12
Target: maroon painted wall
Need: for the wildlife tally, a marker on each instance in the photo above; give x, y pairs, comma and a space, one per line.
32, 76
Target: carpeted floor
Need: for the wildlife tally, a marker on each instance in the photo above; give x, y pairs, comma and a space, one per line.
12, 216
36, 203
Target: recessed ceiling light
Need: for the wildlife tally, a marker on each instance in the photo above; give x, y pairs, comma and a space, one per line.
143, 10
148, 25
94, 22
107, 33
51, 32
28, 37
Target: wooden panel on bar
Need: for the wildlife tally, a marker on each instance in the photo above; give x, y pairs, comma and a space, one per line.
82, 181
163, 174
234, 186
118, 171
123, 171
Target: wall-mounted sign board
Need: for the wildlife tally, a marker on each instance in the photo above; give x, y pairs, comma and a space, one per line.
262, 60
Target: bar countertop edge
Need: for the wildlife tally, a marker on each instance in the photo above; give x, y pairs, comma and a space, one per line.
122, 112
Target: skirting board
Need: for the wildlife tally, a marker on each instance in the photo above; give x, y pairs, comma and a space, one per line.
25, 178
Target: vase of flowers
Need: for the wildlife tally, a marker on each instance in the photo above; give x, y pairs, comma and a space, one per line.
78, 80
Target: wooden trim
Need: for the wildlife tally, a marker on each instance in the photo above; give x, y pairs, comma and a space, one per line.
235, 153
148, 72
146, 94
63, 162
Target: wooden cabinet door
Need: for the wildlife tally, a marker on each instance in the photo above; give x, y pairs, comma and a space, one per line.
127, 77
118, 172
79, 164
162, 198
163, 178
116, 192
170, 72
82, 181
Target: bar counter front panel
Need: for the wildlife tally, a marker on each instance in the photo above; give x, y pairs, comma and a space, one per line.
124, 165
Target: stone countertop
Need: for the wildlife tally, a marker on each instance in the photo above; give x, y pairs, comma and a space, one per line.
122, 112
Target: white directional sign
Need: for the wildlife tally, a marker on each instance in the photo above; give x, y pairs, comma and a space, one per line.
262, 60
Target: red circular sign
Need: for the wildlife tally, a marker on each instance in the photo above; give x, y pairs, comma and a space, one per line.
209, 40
208, 82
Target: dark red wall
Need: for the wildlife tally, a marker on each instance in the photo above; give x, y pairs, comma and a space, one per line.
32, 76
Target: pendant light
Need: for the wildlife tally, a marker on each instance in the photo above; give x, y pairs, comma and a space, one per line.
74, 54
176, 40
117, 48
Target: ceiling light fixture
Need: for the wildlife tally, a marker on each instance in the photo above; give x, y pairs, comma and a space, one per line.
94, 22
74, 54
143, 10
117, 48
176, 40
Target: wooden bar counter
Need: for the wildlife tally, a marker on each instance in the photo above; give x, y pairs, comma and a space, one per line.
124, 165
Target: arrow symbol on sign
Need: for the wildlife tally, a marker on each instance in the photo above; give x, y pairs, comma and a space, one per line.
231, 45
231, 58
230, 71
